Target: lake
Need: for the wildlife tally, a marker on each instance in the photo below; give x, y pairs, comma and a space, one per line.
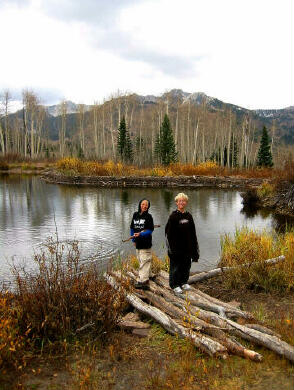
99, 218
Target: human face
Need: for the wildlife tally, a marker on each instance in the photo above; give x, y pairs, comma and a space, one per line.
181, 203
144, 206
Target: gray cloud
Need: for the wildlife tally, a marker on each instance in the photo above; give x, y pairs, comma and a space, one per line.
101, 14
123, 45
96, 12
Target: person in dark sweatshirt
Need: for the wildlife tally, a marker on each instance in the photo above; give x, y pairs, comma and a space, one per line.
141, 228
182, 244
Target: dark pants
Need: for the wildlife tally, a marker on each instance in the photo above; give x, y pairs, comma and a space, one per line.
179, 270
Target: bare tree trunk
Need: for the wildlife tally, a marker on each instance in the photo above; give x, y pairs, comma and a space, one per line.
62, 110
195, 142
81, 118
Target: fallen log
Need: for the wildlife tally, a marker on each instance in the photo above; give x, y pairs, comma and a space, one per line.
271, 342
218, 271
177, 312
191, 321
206, 302
263, 329
206, 344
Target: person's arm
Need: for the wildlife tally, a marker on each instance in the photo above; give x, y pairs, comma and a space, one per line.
145, 233
195, 246
170, 234
149, 227
132, 231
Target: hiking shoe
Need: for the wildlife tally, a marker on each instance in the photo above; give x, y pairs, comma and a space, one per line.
186, 287
142, 285
177, 290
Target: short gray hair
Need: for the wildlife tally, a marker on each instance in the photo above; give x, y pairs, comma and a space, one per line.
181, 195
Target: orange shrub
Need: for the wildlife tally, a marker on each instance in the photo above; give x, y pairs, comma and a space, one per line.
11, 341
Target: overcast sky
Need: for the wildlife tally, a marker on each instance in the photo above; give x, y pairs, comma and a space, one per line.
240, 51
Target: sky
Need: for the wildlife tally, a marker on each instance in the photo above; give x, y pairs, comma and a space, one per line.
239, 51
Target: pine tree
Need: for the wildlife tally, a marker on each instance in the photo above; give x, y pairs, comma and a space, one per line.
264, 158
233, 153
124, 143
165, 147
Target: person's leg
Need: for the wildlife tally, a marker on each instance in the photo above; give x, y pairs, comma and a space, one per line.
174, 278
144, 257
184, 271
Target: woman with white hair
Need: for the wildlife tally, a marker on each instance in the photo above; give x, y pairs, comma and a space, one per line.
182, 244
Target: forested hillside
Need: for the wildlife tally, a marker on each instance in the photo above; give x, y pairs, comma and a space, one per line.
203, 128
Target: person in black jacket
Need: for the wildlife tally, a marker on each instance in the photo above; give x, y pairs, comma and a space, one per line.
182, 244
141, 228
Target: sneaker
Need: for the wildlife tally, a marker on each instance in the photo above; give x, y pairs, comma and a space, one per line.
186, 287
177, 290
142, 285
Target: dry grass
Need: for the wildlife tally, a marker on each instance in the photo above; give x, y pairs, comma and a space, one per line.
251, 247
75, 166
265, 189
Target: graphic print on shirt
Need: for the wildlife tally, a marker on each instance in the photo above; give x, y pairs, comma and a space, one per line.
182, 221
139, 223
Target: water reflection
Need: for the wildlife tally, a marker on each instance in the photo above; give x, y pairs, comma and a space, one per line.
31, 210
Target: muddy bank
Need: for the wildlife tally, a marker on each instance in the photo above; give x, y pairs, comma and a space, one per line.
152, 181
281, 201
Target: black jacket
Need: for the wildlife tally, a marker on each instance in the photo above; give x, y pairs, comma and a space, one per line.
142, 222
181, 236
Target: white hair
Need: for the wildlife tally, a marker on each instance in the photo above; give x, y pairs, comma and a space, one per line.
181, 195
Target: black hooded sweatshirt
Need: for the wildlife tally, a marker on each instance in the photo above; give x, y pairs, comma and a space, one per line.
142, 222
181, 235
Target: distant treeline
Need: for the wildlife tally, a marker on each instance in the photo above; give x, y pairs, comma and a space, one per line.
199, 133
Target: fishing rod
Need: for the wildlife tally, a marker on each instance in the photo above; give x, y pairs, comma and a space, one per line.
128, 239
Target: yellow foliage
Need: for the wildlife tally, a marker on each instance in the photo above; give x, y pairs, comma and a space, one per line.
11, 341
251, 247
265, 189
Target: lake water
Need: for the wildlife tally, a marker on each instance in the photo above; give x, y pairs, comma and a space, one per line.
99, 218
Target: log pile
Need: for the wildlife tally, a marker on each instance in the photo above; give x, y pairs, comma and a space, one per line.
210, 324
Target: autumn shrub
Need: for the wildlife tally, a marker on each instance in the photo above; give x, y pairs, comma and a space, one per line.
11, 338
63, 295
253, 248
265, 189
69, 163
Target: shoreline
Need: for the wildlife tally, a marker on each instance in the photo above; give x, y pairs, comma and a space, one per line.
195, 181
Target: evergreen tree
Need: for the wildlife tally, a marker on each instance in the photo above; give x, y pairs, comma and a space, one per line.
233, 153
124, 143
264, 158
128, 149
165, 147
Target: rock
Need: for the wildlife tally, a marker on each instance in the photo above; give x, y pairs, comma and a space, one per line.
141, 332
131, 317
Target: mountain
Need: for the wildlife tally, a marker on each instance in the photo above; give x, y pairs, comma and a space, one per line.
282, 120
72, 108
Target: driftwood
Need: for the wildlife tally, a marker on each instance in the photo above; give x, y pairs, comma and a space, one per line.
206, 321
218, 271
210, 346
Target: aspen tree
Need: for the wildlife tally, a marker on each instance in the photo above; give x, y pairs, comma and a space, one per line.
81, 124
62, 111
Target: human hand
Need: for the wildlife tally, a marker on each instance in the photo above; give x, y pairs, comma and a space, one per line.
137, 234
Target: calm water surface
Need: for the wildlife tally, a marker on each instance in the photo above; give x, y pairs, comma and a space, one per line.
31, 211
